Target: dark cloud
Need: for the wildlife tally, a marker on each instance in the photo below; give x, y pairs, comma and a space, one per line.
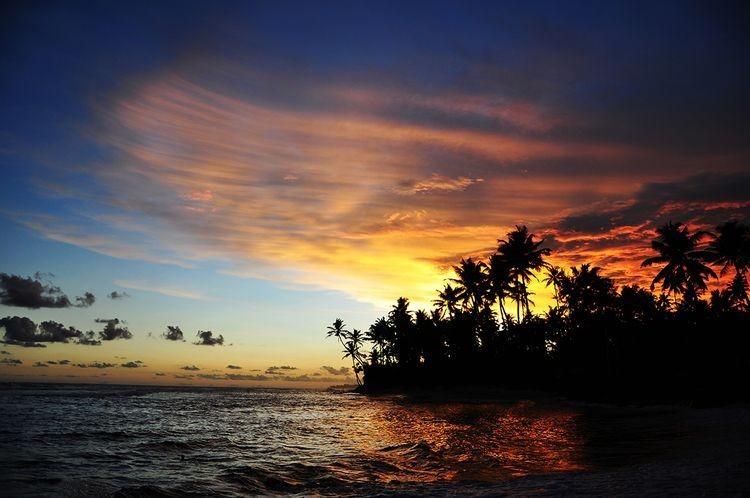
57, 332
133, 364
85, 301
191, 368
63, 362
309, 378
173, 333
28, 292
5, 352
206, 338
33, 293
118, 295
708, 196
89, 339
247, 377
279, 370
159, 374
212, 376
234, 367
22, 331
336, 371
96, 364
183, 376
112, 330
11, 361
40, 364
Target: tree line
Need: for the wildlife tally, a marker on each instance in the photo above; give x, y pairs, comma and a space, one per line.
675, 339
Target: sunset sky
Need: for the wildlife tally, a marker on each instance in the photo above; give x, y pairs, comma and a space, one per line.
258, 169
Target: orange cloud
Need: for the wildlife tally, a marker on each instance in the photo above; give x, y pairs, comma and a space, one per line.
346, 199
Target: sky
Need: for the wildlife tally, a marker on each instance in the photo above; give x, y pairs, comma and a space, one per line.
258, 169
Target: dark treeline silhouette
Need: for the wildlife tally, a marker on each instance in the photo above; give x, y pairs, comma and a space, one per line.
597, 341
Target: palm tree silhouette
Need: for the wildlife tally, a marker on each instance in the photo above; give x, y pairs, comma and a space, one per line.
501, 284
352, 348
381, 334
683, 272
447, 300
401, 320
337, 330
472, 283
524, 256
554, 278
738, 291
731, 247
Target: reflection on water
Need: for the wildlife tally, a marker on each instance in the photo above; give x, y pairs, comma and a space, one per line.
90, 440
485, 442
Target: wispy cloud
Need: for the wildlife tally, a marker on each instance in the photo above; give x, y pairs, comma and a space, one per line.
159, 289
358, 190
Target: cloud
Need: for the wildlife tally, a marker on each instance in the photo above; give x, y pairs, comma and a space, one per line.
40, 364
95, 364
118, 295
89, 339
28, 292
173, 333
133, 364
50, 331
33, 293
254, 377
708, 195
279, 370
85, 301
206, 338
191, 368
336, 371
22, 331
348, 170
183, 376
112, 330
234, 367
159, 374
11, 361
19, 331
360, 185
435, 182
616, 235
211, 376
160, 289
5, 352
63, 362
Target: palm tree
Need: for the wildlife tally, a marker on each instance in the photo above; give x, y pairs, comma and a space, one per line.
738, 292
683, 272
401, 320
352, 350
587, 291
731, 247
447, 300
524, 256
381, 335
337, 330
501, 284
472, 283
555, 277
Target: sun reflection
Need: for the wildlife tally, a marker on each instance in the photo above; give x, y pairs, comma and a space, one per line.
488, 442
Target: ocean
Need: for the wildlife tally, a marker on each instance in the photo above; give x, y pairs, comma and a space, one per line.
86, 440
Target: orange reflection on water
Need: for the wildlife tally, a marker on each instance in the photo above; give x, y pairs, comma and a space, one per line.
447, 441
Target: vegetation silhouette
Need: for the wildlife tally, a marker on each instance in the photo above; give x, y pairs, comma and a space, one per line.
597, 341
